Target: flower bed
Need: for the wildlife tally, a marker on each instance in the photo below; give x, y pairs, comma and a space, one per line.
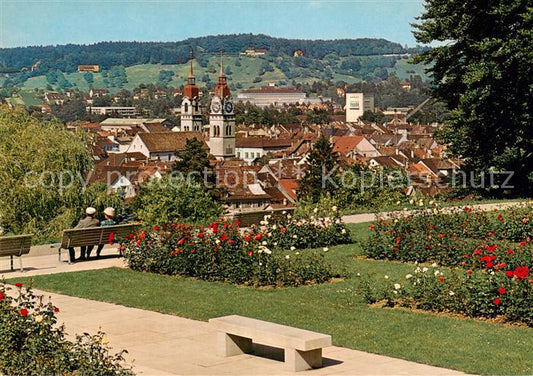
223, 252
32, 343
466, 238
503, 294
493, 251
288, 232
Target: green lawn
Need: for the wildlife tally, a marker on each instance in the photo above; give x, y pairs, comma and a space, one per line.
336, 308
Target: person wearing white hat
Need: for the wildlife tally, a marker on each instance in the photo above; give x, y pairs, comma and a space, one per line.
109, 220
86, 222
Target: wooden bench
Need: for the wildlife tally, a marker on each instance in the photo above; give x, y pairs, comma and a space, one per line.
78, 237
17, 245
303, 348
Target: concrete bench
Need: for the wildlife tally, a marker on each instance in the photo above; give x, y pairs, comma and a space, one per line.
17, 245
303, 348
78, 237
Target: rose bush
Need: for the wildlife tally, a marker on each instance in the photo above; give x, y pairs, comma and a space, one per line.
221, 251
31, 342
302, 232
506, 293
465, 238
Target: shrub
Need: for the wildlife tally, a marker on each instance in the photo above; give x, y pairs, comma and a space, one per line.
461, 238
32, 344
221, 252
167, 200
306, 232
506, 293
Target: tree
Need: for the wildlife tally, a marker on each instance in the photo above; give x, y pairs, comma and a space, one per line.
320, 164
41, 174
168, 200
194, 159
484, 75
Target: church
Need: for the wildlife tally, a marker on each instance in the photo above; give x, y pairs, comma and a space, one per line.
221, 139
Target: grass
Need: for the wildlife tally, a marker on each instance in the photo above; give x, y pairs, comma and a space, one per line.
245, 74
336, 308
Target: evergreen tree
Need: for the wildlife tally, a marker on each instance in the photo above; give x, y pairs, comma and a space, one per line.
321, 162
484, 75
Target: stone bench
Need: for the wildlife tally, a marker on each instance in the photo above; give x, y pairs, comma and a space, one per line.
303, 348
77, 237
17, 245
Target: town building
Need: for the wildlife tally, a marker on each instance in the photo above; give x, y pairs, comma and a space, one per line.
222, 120
113, 111
357, 104
162, 146
191, 111
272, 96
93, 68
251, 51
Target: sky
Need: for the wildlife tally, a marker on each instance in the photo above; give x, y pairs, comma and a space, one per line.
46, 22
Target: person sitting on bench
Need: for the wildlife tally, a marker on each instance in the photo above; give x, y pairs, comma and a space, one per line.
109, 220
86, 222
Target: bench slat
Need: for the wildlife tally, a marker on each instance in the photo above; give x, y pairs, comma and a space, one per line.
95, 235
271, 334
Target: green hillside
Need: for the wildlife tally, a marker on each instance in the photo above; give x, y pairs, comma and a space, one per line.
280, 70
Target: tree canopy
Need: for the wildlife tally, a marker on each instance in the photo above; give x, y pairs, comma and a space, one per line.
482, 70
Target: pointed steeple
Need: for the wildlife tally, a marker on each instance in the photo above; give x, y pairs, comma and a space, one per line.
222, 89
191, 90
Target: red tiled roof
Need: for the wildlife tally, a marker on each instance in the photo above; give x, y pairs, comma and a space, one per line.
290, 186
346, 144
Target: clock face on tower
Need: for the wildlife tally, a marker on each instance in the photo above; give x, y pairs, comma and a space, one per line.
229, 107
215, 107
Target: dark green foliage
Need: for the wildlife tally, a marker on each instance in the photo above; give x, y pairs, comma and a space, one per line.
320, 164
484, 75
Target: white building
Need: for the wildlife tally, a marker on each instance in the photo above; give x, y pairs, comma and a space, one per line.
270, 95
113, 111
357, 104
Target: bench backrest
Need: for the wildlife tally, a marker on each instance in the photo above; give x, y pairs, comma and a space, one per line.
77, 237
15, 245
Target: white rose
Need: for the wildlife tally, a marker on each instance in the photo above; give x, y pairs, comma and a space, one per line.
451, 293
38, 318
408, 276
315, 210
293, 248
287, 257
386, 277
397, 286
334, 208
295, 236
424, 269
325, 249
343, 231
264, 243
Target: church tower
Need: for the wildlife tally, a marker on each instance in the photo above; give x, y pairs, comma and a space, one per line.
222, 120
191, 112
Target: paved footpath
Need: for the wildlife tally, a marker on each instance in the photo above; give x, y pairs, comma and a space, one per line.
160, 344
368, 217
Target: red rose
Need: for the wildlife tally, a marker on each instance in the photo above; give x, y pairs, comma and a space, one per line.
56, 309
181, 241
257, 237
249, 252
201, 235
489, 265
283, 230
502, 291
238, 223
497, 301
371, 227
509, 273
223, 238
156, 228
441, 279
469, 271
247, 239
398, 240
19, 285
24, 312
510, 251
1, 296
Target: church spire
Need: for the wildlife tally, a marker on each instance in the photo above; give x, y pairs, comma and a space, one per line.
191, 90
222, 89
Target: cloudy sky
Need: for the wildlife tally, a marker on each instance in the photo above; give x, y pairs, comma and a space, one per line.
46, 22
